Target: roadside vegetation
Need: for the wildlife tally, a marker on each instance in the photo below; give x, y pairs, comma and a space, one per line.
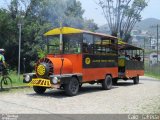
36, 17
152, 70
15, 80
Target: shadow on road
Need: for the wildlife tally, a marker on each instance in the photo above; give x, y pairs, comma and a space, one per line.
124, 83
86, 89
61, 93
6, 90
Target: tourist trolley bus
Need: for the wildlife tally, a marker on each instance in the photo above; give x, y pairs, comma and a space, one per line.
77, 56
130, 62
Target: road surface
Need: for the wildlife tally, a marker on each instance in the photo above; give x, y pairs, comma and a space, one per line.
124, 98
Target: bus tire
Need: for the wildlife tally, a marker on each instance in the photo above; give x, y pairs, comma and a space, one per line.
72, 87
136, 80
39, 90
107, 83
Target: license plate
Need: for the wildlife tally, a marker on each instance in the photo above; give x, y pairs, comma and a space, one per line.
40, 82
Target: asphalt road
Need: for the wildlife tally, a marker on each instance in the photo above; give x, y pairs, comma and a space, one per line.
123, 98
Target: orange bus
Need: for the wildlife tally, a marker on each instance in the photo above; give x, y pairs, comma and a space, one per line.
76, 57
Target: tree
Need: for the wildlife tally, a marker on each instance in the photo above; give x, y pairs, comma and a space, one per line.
39, 16
89, 24
122, 15
8, 36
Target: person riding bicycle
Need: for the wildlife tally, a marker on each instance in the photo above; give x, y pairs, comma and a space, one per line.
5, 81
2, 60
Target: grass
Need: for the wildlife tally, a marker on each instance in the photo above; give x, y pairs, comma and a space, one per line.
152, 70
15, 80
153, 75
149, 71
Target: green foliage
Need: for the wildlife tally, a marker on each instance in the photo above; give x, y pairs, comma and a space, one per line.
15, 80
152, 70
36, 17
8, 36
89, 24
41, 53
74, 9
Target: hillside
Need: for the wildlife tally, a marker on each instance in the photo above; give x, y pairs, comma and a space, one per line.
146, 24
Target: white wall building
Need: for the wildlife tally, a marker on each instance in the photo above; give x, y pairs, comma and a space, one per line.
154, 44
153, 58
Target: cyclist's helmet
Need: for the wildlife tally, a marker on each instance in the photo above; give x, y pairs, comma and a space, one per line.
2, 50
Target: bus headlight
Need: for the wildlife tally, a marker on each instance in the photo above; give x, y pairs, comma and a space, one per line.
27, 78
54, 80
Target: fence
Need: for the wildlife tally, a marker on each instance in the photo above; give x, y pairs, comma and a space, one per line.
152, 68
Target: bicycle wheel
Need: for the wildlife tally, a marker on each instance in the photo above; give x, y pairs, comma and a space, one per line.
6, 83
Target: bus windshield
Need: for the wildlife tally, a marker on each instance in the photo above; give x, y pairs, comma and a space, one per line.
71, 44
53, 45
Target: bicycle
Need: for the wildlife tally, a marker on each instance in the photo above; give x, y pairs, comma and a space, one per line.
6, 82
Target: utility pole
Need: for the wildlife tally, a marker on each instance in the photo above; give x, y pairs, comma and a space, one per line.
157, 26
20, 24
150, 46
61, 38
150, 42
144, 43
19, 55
157, 41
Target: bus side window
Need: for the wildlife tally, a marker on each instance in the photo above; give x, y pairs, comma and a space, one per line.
88, 43
137, 57
97, 45
85, 48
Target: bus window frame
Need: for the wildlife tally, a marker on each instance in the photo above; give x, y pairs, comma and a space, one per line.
58, 36
134, 52
101, 39
49, 45
84, 48
113, 41
80, 42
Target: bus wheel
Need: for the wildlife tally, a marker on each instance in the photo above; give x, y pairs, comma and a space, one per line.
107, 83
136, 80
114, 81
39, 90
72, 87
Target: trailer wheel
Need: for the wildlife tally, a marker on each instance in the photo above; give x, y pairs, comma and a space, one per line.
39, 90
72, 87
107, 83
136, 80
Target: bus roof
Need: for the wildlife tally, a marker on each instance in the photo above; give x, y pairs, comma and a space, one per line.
125, 46
70, 30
